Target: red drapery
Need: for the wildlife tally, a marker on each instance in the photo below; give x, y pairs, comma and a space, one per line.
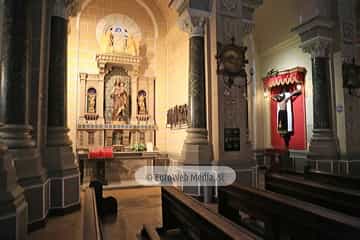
275, 84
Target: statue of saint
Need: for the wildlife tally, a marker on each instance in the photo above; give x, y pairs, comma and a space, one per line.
91, 103
120, 101
141, 100
284, 111
109, 36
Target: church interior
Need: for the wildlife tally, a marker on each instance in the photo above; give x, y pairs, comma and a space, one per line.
120, 102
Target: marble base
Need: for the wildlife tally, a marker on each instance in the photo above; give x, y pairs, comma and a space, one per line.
14, 222
196, 149
64, 191
38, 197
29, 171
323, 145
13, 207
63, 173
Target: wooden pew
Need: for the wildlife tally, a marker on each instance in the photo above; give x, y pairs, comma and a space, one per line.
148, 233
92, 227
285, 217
195, 220
329, 196
347, 182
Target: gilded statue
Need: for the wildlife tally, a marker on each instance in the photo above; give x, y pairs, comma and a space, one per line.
177, 116
91, 103
120, 101
109, 36
141, 101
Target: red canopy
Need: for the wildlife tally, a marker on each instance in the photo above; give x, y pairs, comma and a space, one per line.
288, 77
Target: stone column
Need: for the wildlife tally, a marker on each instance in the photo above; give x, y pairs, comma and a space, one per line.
196, 148
133, 89
60, 161
323, 143
16, 132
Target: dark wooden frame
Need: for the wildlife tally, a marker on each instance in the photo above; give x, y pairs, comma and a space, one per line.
285, 216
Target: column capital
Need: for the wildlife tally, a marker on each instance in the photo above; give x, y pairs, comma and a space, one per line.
316, 36
248, 10
317, 47
193, 23
193, 15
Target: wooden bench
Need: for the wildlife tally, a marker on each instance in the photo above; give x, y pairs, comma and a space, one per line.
329, 196
284, 217
149, 233
91, 223
347, 182
195, 220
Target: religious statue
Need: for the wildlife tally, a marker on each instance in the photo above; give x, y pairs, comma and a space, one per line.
120, 101
284, 111
177, 117
91, 103
109, 36
141, 101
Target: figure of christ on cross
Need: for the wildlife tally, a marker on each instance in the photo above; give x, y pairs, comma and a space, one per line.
284, 112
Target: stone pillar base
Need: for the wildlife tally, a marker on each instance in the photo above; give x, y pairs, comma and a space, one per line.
30, 173
13, 207
14, 222
63, 173
323, 145
197, 151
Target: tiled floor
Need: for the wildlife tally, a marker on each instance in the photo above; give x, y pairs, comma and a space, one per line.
67, 227
136, 206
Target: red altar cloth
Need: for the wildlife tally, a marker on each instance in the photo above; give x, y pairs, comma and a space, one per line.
106, 152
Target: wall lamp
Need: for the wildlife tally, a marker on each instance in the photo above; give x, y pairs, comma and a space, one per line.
351, 77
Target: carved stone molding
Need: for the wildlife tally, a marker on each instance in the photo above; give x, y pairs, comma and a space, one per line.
193, 22
106, 61
249, 7
318, 46
230, 5
247, 27
193, 15
316, 35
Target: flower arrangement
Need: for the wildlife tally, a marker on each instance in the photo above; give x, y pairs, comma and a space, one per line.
138, 147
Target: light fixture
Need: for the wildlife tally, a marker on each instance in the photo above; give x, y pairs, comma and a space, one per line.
266, 93
298, 86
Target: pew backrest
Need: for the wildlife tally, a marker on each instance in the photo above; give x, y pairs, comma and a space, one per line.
285, 215
328, 196
197, 221
149, 233
91, 222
